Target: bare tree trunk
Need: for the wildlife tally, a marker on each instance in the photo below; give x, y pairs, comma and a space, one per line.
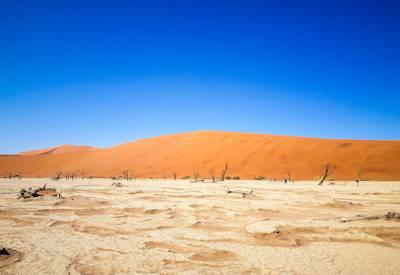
223, 173
358, 178
195, 175
125, 174
212, 174
327, 172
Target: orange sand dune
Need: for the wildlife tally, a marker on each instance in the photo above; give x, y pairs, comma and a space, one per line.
247, 155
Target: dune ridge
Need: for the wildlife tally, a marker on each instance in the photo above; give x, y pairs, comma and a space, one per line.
247, 156
66, 148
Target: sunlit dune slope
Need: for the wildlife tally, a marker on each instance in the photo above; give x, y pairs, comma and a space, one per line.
247, 156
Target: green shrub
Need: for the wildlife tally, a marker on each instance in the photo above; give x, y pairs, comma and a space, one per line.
186, 178
260, 178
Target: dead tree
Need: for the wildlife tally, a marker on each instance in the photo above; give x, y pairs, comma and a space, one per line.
327, 172
174, 175
58, 174
18, 175
290, 175
195, 175
125, 174
82, 173
358, 178
223, 173
41, 191
212, 174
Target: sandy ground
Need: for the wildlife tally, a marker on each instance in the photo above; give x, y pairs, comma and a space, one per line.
157, 226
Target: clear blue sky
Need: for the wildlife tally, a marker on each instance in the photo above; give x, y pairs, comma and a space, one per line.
107, 72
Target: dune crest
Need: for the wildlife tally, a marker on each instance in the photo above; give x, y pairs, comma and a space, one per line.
247, 156
59, 150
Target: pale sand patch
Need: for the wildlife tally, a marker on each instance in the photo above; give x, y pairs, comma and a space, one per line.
173, 227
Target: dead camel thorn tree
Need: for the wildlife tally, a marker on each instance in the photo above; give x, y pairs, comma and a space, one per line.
14, 176
125, 174
58, 174
327, 172
212, 174
358, 178
196, 176
18, 175
41, 191
174, 175
70, 176
223, 173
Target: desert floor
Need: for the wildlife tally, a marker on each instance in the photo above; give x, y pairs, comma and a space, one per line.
157, 226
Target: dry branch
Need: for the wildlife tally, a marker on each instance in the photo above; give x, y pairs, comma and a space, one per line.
387, 216
41, 191
198, 180
117, 184
244, 193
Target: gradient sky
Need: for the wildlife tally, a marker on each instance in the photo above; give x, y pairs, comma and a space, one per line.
107, 72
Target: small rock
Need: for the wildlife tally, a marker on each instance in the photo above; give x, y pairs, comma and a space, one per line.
4, 252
